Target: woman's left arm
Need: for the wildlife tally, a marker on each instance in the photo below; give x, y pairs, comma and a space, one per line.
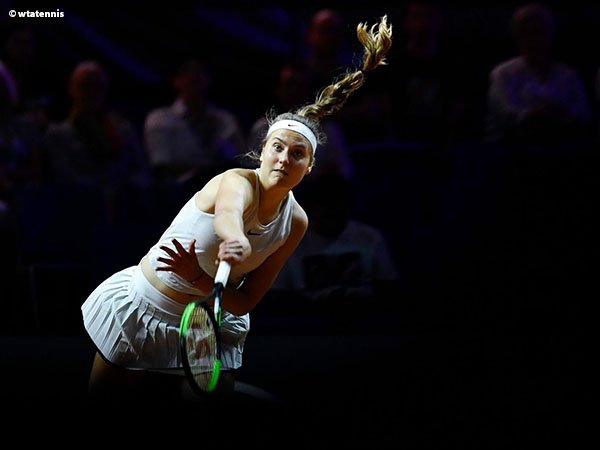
261, 279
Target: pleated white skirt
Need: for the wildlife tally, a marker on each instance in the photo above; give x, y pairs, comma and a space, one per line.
134, 325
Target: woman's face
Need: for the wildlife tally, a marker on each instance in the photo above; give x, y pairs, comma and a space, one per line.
286, 158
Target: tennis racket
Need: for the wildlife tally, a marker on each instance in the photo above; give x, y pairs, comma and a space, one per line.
200, 336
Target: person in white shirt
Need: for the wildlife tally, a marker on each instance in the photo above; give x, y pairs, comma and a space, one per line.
532, 97
95, 145
192, 137
340, 259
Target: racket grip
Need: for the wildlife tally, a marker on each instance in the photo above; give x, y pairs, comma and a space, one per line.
223, 273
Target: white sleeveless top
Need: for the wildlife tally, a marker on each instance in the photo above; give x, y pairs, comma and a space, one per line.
192, 223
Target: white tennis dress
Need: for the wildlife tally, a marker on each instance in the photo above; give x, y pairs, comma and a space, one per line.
134, 325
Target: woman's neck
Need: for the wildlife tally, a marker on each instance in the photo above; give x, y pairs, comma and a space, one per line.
271, 199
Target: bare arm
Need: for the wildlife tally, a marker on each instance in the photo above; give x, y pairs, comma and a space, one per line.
261, 279
234, 195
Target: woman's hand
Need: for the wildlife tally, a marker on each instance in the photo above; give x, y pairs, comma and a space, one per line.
181, 262
234, 251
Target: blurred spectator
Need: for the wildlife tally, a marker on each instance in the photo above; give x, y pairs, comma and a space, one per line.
20, 54
291, 92
32, 82
18, 156
339, 259
326, 50
533, 98
326, 54
425, 79
193, 138
94, 146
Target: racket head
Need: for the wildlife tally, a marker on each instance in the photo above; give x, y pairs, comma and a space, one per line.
201, 345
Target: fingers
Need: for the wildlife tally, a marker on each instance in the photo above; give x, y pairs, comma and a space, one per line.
169, 252
179, 247
181, 252
231, 251
169, 264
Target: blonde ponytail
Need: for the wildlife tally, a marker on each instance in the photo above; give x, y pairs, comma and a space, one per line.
376, 42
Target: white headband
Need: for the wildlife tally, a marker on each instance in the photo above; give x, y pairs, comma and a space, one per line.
298, 127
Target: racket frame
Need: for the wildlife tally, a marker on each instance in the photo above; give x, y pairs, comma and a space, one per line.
214, 315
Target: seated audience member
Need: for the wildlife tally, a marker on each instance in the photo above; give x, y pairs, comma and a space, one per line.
192, 138
533, 98
428, 95
18, 161
95, 145
20, 51
326, 49
339, 259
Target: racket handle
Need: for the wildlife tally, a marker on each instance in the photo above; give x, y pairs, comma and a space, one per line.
223, 273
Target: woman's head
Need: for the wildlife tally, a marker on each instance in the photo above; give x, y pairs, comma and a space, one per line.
287, 153
308, 129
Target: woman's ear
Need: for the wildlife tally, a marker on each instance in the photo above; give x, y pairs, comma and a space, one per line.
309, 170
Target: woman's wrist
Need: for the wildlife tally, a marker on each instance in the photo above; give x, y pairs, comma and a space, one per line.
196, 279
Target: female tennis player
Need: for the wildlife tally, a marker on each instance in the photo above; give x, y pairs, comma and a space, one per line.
246, 217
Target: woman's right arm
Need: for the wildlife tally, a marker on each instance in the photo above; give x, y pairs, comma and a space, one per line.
234, 195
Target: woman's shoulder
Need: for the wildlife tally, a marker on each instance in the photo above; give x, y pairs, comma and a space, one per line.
238, 174
246, 173
232, 174
238, 180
